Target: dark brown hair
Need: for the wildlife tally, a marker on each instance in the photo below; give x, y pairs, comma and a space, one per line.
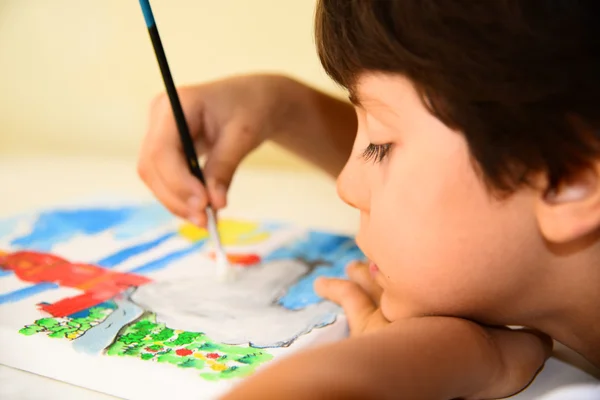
506, 73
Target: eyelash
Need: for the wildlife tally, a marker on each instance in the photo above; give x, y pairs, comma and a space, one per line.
376, 152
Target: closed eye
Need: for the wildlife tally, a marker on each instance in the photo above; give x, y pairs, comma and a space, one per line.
376, 152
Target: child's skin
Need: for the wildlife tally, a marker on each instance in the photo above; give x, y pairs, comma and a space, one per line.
424, 267
449, 259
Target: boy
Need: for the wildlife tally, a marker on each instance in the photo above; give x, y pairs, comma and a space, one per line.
476, 171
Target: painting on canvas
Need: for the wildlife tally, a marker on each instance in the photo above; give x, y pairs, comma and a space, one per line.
124, 298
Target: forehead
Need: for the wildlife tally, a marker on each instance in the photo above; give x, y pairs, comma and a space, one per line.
387, 96
391, 90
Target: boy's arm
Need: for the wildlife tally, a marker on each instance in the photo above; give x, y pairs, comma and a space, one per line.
418, 358
315, 126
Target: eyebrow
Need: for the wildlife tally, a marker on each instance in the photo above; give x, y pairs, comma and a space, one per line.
359, 101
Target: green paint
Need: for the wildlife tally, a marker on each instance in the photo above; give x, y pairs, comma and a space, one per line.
151, 341
31, 330
233, 372
191, 363
164, 335
47, 323
252, 358
150, 338
170, 358
66, 328
130, 351
185, 338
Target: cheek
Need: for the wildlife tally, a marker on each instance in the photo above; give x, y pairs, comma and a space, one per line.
443, 246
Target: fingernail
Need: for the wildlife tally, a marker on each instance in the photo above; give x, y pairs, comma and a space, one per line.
351, 264
320, 281
194, 220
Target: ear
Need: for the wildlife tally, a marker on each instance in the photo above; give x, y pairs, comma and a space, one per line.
572, 210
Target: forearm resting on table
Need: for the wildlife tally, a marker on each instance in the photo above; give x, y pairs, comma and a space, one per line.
315, 126
420, 358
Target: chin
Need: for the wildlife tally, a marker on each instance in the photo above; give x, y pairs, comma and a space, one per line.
394, 309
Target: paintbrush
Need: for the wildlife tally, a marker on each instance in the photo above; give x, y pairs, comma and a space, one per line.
225, 271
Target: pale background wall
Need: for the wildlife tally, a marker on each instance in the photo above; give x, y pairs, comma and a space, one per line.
76, 76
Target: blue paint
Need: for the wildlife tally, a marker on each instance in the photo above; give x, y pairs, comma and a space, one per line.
316, 246
86, 313
148, 17
54, 227
141, 220
163, 262
59, 226
5, 272
20, 294
334, 251
272, 226
124, 254
100, 336
7, 226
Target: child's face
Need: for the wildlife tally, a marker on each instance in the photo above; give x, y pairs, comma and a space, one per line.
441, 242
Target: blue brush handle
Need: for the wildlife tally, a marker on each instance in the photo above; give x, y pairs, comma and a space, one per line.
182, 127
147, 11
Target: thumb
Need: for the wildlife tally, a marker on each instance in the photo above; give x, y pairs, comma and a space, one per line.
356, 303
233, 144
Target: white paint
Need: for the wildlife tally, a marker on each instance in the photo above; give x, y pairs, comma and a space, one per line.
225, 273
239, 312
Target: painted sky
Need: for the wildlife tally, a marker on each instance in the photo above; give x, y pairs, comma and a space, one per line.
7, 226
331, 253
59, 226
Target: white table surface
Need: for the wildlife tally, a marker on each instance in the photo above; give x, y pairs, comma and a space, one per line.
301, 198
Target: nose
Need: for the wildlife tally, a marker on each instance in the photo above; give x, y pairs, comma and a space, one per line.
352, 185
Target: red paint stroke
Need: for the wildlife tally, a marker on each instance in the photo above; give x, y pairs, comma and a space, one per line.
241, 260
97, 283
214, 356
183, 352
151, 350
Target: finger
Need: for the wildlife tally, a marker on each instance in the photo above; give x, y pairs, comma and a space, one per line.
163, 152
171, 202
356, 303
358, 272
167, 158
173, 170
233, 144
189, 206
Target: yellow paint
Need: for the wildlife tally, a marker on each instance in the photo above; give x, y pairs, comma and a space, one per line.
232, 232
73, 335
254, 238
218, 367
192, 232
200, 356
